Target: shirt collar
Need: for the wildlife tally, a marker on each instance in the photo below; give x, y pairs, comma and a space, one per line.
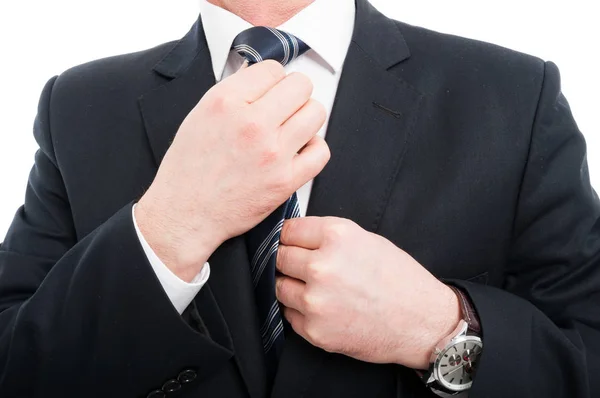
325, 25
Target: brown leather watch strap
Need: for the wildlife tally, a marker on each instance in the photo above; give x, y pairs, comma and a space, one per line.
469, 313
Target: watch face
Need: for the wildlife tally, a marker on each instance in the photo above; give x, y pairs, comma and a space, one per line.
455, 366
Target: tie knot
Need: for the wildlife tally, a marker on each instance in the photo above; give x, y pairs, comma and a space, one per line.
260, 43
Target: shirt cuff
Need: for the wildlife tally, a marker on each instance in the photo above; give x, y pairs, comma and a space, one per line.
180, 293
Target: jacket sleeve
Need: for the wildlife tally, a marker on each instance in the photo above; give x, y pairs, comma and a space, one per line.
541, 331
84, 318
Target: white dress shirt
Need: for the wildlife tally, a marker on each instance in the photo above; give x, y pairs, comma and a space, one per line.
327, 27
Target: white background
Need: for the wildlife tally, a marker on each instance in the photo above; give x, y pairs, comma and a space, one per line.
41, 38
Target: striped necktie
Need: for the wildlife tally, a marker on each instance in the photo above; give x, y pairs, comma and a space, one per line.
257, 44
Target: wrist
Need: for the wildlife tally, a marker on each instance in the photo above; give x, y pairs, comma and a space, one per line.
183, 250
444, 320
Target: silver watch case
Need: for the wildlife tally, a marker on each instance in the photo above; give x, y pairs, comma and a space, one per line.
460, 337
437, 369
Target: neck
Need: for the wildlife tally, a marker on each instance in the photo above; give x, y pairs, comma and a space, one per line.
271, 13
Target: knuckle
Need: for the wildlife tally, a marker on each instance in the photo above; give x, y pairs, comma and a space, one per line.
336, 230
282, 255
316, 271
219, 103
325, 150
301, 83
305, 82
312, 304
326, 153
282, 288
320, 146
319, 109
274, 69
316, 337
288, 230
251, 130
270, 155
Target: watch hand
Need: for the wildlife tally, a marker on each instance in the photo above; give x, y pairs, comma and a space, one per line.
468, 366
455, 369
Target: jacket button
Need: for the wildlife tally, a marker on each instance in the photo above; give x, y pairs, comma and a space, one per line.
171, 386
187, 376
157, 394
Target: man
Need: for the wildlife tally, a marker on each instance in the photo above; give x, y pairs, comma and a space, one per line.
451, 241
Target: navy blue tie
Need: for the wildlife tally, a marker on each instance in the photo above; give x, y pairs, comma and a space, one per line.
257, 44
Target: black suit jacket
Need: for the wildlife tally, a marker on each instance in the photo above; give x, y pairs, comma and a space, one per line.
462, 153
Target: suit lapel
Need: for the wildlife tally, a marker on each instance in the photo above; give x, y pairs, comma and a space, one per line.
370, 125
187, 68
372, 120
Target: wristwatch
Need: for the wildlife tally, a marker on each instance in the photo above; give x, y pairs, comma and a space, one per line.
454, 360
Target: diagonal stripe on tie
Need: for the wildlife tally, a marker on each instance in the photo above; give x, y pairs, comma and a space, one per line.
248, 52
262, 242
257, 44
260, 252
260, 43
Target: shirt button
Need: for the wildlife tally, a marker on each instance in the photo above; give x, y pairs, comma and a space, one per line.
187, 376
171, 386
157, 394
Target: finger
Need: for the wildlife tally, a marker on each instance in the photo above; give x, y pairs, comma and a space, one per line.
252, 82
303, 232
296, 319
292, 261
302, 126
310, 160
284, 99
289, 292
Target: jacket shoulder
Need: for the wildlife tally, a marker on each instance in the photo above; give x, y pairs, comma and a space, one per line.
427, 42
90, 104
460, 58
119, 74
